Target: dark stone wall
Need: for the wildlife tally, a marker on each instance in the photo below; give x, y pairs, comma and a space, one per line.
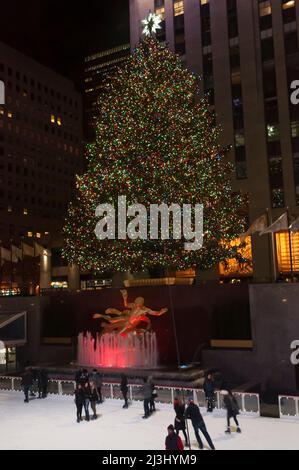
195, 315
275, 324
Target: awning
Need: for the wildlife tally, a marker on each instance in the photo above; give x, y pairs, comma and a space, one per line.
13, 328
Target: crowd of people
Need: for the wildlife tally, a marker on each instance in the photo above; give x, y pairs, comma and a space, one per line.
35, 381
88, 394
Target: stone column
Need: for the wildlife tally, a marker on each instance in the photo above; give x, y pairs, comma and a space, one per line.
73, 277
45, 270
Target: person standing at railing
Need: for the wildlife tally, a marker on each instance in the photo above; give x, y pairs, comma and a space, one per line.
232, 408
193, 413
180, 421
79, 401
87, 397
124, 390
45, 382
153, 397
147, 396
27, 382
209, 389
96, 378
94, 398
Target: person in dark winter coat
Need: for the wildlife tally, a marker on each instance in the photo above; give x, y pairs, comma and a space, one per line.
44, 382
180, 421
232, 409
193, 413
78, 375
94, 398
96, 378
39, 383
147, 392
27, 382
153, 397
79, 401
124, 390
87, 397
209, 389
82, 377
173, 441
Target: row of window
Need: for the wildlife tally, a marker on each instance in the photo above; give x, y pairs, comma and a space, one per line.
37, 85
41, 139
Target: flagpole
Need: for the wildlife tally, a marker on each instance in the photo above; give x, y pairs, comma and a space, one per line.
23, 271
272, 246
290, 245
11, 266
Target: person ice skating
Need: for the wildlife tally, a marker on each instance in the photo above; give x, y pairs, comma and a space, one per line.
44, 382
78, 375
173, 441
34, 386
79, 401
39, 384
96, 378
153, 396
81, 377
147, 396
94, 398
124, 390
232, 408
209, 389
87, 396
179, 421
193, 413
27, 381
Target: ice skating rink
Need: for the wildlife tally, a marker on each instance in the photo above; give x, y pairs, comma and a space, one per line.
51, 424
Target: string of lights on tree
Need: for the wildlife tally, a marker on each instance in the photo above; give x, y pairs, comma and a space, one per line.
156, 142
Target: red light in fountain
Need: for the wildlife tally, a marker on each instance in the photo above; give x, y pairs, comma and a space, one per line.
113, 350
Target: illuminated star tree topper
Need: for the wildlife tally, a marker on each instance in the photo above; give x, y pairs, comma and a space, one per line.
151, 24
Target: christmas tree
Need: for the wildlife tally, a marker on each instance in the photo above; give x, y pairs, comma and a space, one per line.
156, 142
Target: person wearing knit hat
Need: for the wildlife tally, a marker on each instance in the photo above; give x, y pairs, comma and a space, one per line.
193, 413
173, 441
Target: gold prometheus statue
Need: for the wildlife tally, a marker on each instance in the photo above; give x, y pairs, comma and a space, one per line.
128, 320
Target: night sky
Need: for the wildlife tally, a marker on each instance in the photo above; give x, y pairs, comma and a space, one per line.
60, 33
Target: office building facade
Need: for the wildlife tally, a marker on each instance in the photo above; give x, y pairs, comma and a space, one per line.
247, 53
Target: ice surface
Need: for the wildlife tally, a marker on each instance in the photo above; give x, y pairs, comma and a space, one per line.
51, 424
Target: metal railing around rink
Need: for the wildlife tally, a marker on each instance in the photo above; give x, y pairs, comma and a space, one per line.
248, 402
288, 406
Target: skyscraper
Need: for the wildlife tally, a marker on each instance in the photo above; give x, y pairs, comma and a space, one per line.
247, 53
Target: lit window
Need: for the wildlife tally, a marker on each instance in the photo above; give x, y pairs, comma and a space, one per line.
283, 252
161, 12
289, 4
53, 119
59, 121
178, 7
9, 114
9, 209
234, 268
295, 128
204, 2
29, 234
38, 235
265, 9
25, 211
1, 111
